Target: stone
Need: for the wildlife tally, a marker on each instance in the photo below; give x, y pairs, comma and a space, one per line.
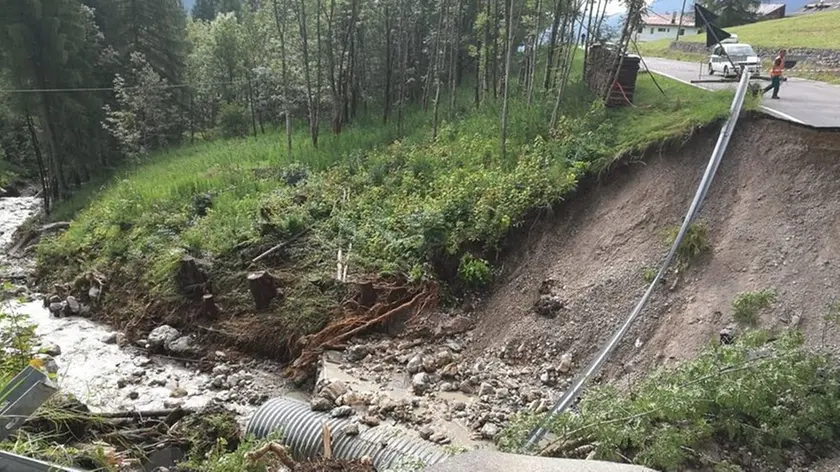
219, 382
162, 336
110, 338
426, 432
133, 395
370, 420
485, 389
341, 412
458, 405
549, 305
157, 383
489, 431
142, 361
73, 305
565, 363
357, 352
50, 349
455, 325
122, 340
449, 371
727, 335
439, 438
420, 383
56, 307
545, 378
221, 369
429, 364
795, 320
415, 364
466, 387
178, 392
122, 382
333, 390
182, 345
351, 429
447, 387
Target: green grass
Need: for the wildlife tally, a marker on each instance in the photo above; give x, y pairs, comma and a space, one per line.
818, 30
694, 243
750, 398
748, 305
414, 206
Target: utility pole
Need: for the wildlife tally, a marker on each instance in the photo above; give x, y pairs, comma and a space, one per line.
679, 27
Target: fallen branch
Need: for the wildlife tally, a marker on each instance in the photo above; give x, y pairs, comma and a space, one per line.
280, 245
141, 414
280, 451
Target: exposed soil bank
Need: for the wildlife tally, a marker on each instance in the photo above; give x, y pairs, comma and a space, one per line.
773, 219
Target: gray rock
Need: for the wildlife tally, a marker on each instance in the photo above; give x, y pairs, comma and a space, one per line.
162, 335
178, 392
333, 390
320, 404
545, 378
565, 363
73, 305
170, 403
429, 364
133, 395
439, 438
489, 431
110, 338
415, 364
141, 361
341, 411
219, 382
426, 432
420, 383
182, 345
93, 293
459, 405
357, 352
122, 382
56, 307
447, 387
351, 429
455, 325
370, 420
485, 389
50, 349
449, 371
221, 369
466, 387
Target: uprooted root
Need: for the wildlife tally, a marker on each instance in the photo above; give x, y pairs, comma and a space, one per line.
353, 318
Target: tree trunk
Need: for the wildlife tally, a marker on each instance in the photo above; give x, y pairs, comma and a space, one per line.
508, 53
533, 66
387, 107
39, 159
439, 59
284, 72
313, 118
552, 41
263, 289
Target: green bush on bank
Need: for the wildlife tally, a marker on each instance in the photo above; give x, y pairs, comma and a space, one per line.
768, 397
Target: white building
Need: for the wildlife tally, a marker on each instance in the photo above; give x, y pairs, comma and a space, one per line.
665, 25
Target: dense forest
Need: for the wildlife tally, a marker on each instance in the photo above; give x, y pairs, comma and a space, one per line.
88, 85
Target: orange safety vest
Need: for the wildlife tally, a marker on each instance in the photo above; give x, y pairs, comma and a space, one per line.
777, 70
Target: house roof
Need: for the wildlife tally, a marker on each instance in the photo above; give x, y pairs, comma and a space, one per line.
668, 19
768, 8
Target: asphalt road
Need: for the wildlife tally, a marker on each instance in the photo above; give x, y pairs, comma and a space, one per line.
802, 101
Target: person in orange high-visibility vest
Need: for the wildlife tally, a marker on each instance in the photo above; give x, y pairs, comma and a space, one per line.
776, 72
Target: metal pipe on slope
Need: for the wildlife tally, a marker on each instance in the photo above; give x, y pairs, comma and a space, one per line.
573, 392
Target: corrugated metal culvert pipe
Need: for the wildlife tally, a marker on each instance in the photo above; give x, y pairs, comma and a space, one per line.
302, 433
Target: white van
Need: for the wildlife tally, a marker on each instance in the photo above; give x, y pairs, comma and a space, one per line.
742, 56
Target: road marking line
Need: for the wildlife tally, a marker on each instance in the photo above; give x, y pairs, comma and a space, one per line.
679, 79
772, 111
785, 116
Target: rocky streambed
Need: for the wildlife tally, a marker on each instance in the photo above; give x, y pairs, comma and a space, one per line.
98, 367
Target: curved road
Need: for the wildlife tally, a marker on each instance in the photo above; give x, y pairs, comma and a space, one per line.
802, 101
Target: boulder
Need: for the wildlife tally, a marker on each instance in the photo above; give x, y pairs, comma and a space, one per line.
161, 336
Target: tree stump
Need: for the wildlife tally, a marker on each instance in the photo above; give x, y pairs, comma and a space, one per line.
191, 278
263, 288
208, 306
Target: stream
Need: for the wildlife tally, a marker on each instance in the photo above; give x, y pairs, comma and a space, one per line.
106, 377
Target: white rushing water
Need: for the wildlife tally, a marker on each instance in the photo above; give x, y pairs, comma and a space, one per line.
106, 377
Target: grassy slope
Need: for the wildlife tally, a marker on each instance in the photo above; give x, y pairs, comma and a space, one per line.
415, 206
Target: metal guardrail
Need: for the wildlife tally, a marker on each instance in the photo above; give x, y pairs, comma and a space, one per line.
14, 463
21, 397
575, 389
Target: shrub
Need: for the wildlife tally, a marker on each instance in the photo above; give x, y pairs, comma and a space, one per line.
695, 242
233, 120
473, 272
747, 305
759, 396
649, 273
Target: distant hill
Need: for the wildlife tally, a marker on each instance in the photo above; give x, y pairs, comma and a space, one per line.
662, 6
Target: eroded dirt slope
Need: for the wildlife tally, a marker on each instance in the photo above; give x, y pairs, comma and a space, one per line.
773, 215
